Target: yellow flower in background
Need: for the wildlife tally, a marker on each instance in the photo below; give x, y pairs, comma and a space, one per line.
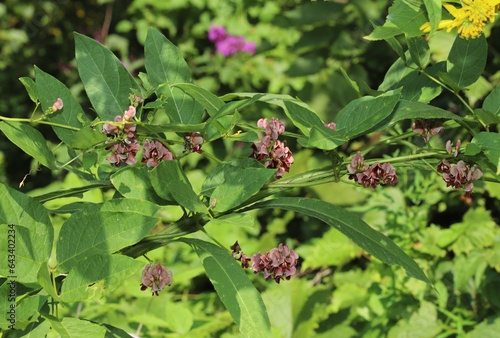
469, 19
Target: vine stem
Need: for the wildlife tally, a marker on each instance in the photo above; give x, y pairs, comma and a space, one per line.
38, 121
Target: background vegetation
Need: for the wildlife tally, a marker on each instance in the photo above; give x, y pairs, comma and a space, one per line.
302, 48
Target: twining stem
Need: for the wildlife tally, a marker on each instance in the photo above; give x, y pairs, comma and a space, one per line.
38, 121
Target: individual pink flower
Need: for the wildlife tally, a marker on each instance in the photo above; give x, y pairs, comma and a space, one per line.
449, 147
427, 128
58, 105
330, 125
155, 152
156, 277
129, 114
278, 264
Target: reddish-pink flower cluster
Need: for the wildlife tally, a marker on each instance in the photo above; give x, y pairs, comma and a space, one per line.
459, 175
367, 176
193, 142
269, 150
124, 145
154, 152
156, 277
278, 264
427, 128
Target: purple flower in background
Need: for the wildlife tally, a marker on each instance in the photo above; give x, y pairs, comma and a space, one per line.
216, 33
229, 44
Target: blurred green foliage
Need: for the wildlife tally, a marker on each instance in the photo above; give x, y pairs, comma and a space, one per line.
301, 48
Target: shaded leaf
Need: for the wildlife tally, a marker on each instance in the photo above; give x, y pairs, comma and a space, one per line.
30, 140
135, 182
88, 233
235, 290
490, 145
96, 276
302, 117
31, 88
34, 233
87, 137
170, 181
325, 138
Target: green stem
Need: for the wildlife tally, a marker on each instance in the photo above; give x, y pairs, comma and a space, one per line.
38, 121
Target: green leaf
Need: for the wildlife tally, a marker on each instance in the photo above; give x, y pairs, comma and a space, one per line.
170, 181
467, 60
423, 323
88, 160
416, 86
486, 117
419, 51
182, 322
238, 186
75, 328
30, 86
490, 145
404, 17
88, 233
219, 174
49, 90
472, 149
208, 100
302, 117
325, 138
235, 290
488, 328
34, 233
353, 227
407, 110
492, 101
87, 137
107, 82
96, 276
166, 66
433, 8
230, 107
360, 116
135, 182
30, 140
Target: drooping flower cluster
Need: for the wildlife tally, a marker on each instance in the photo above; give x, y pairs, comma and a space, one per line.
193, 142
155, 152
469, 19
427, 128
229, 44
278, 264
459, 175
123, 144
156, 277
269, 150
372, 176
